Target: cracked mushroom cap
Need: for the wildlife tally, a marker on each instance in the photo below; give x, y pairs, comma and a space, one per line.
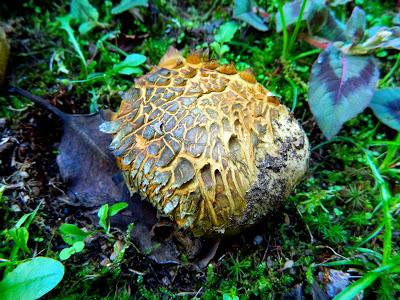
208, 146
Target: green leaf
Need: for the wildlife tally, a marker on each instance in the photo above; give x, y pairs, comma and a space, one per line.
2, 189
355, 26
291, 12
83, 11
323, 23
31, 279
20, 237
68, 252
386, 106
128, 4
78, 246
224, 49
71, 233
22, 220
344, 262
65, 24
216, 47
243, 10
103, 216
226, 32
129, 65
27, 219
87, 26
130, 71
219, 49
117, 207
357, 287
341, 86
229, 297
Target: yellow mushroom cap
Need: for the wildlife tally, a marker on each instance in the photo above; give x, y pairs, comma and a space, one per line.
207, 145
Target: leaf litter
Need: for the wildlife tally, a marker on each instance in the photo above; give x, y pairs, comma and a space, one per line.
92, 177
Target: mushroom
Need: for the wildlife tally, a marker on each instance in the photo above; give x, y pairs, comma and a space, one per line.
206, 145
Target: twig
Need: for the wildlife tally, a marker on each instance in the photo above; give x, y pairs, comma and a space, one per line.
334, 252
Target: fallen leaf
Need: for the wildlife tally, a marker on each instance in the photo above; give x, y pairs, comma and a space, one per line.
317, 293
86, 165
93, 179
334, 281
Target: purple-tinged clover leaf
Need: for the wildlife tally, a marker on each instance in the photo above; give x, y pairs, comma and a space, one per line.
244, 10
341, 86
324, 24
386, 106
383, 37
377, 38
355, 26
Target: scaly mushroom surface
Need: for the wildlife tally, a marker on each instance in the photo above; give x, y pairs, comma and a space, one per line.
207, 145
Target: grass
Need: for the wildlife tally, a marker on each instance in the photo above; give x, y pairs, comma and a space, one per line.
344, 215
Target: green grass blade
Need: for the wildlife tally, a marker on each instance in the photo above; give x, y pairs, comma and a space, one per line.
297, 26
284, 30
357, 287
344, 262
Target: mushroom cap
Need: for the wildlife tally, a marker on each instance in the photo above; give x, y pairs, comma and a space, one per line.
208, 146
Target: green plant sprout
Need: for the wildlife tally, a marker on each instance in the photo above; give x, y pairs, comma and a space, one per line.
32, 277
106, 212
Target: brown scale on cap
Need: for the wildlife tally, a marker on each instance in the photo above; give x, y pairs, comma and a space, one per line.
198, 140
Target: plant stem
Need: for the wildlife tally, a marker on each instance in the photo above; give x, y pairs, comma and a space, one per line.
207, 14
387, 217
372, 235
392, 70
391, 153
284, 30
297, 26
65, 25
305, 54
294, 93
13, 257
116, 49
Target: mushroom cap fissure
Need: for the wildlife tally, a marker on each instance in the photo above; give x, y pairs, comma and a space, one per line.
208, 146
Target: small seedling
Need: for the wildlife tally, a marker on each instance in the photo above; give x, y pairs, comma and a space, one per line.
224, 35
73, 236
130, 65
106, 212
68, 252
32, 278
